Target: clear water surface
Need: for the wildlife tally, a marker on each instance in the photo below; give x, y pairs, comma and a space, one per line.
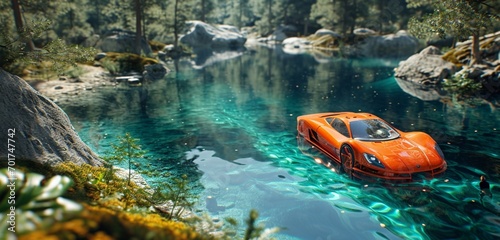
230, 126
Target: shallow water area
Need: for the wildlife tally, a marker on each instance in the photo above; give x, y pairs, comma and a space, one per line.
231, 128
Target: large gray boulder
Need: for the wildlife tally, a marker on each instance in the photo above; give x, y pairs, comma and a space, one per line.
202, 35
40, 132
425, 68
118, 41
398, 45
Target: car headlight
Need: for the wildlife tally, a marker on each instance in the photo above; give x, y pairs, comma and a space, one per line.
373, 160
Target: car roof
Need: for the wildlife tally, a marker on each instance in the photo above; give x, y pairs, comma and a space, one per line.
350, 116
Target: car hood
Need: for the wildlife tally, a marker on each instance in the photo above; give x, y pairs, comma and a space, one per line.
402, 154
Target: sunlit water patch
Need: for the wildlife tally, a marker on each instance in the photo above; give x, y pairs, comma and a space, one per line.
231, 128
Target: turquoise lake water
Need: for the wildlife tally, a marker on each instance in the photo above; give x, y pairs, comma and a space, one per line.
230, 126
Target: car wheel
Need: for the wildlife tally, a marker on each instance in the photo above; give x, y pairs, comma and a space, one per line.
347, 159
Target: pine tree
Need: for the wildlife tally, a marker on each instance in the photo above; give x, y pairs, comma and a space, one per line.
17, 46
458, 18
126, 150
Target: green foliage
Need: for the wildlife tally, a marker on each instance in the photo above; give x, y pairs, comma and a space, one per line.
255, 231
252, 230
240, 13
462, 86
74, 72
267, 16
34, 202
323, 12
176, 195
127, 150
460, 18
111, 66
58, 54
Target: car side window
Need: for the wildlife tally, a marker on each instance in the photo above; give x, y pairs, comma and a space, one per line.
340, 126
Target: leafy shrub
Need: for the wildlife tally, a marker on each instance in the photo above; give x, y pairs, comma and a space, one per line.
36, 204
74, 72
462, 86
111, 66
97, 222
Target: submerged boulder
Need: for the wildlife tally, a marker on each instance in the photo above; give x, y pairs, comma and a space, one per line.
37, 129
202, 35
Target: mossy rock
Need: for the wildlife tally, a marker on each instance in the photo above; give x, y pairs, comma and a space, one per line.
156, 46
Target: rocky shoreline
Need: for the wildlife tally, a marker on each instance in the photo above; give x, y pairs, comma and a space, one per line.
64, 88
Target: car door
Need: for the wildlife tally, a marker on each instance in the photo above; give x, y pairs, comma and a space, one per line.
334, 135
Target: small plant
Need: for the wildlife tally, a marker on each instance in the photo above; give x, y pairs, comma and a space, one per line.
30, 202
177, 197
257, 232
126, 150
111, 66
74, 72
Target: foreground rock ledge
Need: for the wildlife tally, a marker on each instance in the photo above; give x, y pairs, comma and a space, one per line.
40, 131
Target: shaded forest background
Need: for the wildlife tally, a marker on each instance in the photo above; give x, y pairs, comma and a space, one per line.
75, 20
52, 24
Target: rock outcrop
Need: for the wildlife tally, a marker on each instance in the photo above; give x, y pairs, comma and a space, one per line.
366, 44
205, 36
41, 133
396, 45
296, 45
281, 33
430, 67
425, 68
117, 41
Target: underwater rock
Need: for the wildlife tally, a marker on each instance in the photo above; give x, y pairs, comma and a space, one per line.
36, 129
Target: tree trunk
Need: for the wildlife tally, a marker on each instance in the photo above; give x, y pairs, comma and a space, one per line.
240, 15
98, 17
475, 53
20, 26
270, 16
176, 30
202, 17
138, 27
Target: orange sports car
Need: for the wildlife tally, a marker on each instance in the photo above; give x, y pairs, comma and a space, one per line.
366, 146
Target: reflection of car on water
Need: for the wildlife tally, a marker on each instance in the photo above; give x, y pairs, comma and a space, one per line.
366, 146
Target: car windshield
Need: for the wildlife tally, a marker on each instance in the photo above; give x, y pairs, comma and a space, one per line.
372, 130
